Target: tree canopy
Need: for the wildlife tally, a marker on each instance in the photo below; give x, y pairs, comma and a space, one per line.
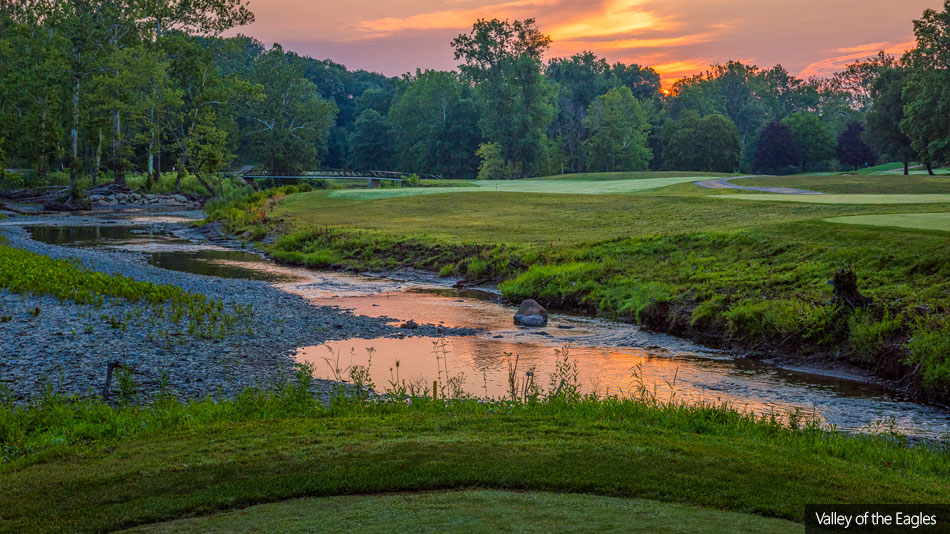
852, 149
106, 89
776, 151
707, 144
619, 129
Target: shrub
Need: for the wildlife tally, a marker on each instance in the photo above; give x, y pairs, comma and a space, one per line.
763, 319
447, 270
929, 348
477, 268
10, 180
867, 335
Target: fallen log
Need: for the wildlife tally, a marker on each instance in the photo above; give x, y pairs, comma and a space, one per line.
4, 207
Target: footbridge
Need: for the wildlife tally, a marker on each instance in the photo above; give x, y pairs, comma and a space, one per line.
373, 178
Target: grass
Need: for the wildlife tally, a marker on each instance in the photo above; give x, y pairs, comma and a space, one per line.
491, 218
27, 272
83, 466
919, 221
939, 198
747, 275
633, 175
861, 184
474, 511
567, 185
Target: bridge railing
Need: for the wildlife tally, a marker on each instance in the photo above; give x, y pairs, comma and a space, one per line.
335, 175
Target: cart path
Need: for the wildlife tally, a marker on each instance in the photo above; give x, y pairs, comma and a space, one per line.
726, 183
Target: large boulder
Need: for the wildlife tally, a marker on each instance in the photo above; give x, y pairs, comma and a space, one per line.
530, 313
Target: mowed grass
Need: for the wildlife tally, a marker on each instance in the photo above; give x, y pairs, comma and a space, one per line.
490, 217
577, 185
91, 468
890, 184
918, 221
940, 198
475, 511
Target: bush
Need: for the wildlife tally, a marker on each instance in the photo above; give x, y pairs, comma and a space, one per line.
764, 319
447, 270
10, 180
867, 335
929, 348
477, 268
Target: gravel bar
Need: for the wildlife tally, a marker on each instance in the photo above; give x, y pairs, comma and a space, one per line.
69, 346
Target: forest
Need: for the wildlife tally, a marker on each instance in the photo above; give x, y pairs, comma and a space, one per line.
99, 91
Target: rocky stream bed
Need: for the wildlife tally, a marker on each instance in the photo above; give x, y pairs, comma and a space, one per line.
67, 346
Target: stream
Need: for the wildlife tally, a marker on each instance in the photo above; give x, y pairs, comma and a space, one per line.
611, 358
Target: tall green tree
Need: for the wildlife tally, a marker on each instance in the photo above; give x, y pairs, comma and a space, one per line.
203, 98
776, 150
435, 126
884, 119
32, 92
503, 60
289, 121
814, 141
852, 149
581, 78
619, 131
927, 100
707, 144
371, 143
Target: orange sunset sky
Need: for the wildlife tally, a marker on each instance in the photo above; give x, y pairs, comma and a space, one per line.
676, 37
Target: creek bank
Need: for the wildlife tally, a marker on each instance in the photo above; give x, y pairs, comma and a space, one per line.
109, 196
669, 318
69, 346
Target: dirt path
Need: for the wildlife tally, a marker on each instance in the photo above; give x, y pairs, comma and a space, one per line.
726, 183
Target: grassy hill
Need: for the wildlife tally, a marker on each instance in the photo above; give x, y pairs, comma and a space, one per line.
729, 268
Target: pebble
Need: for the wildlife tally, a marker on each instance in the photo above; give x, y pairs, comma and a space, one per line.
70, 346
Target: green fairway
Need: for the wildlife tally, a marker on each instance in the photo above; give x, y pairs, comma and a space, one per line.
940, 198
920, 221
475, 511
490, 217
848, 184
560, 186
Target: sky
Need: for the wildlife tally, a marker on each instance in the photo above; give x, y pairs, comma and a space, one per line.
676, 37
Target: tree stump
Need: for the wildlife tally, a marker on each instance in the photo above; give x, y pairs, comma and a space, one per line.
846, 295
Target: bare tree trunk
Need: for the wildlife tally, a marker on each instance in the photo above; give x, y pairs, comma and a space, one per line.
42, 164
273, 169
930, 169
95, 172
204, 183
150, 176
158, 164
117, 147
74, 139
181, 172
906, 165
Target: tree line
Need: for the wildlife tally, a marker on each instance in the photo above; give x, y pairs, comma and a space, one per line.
97, 90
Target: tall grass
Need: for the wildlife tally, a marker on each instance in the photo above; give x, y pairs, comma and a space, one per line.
53, 423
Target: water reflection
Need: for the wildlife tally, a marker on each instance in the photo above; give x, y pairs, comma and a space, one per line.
165, 250
745, 384
612, 358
